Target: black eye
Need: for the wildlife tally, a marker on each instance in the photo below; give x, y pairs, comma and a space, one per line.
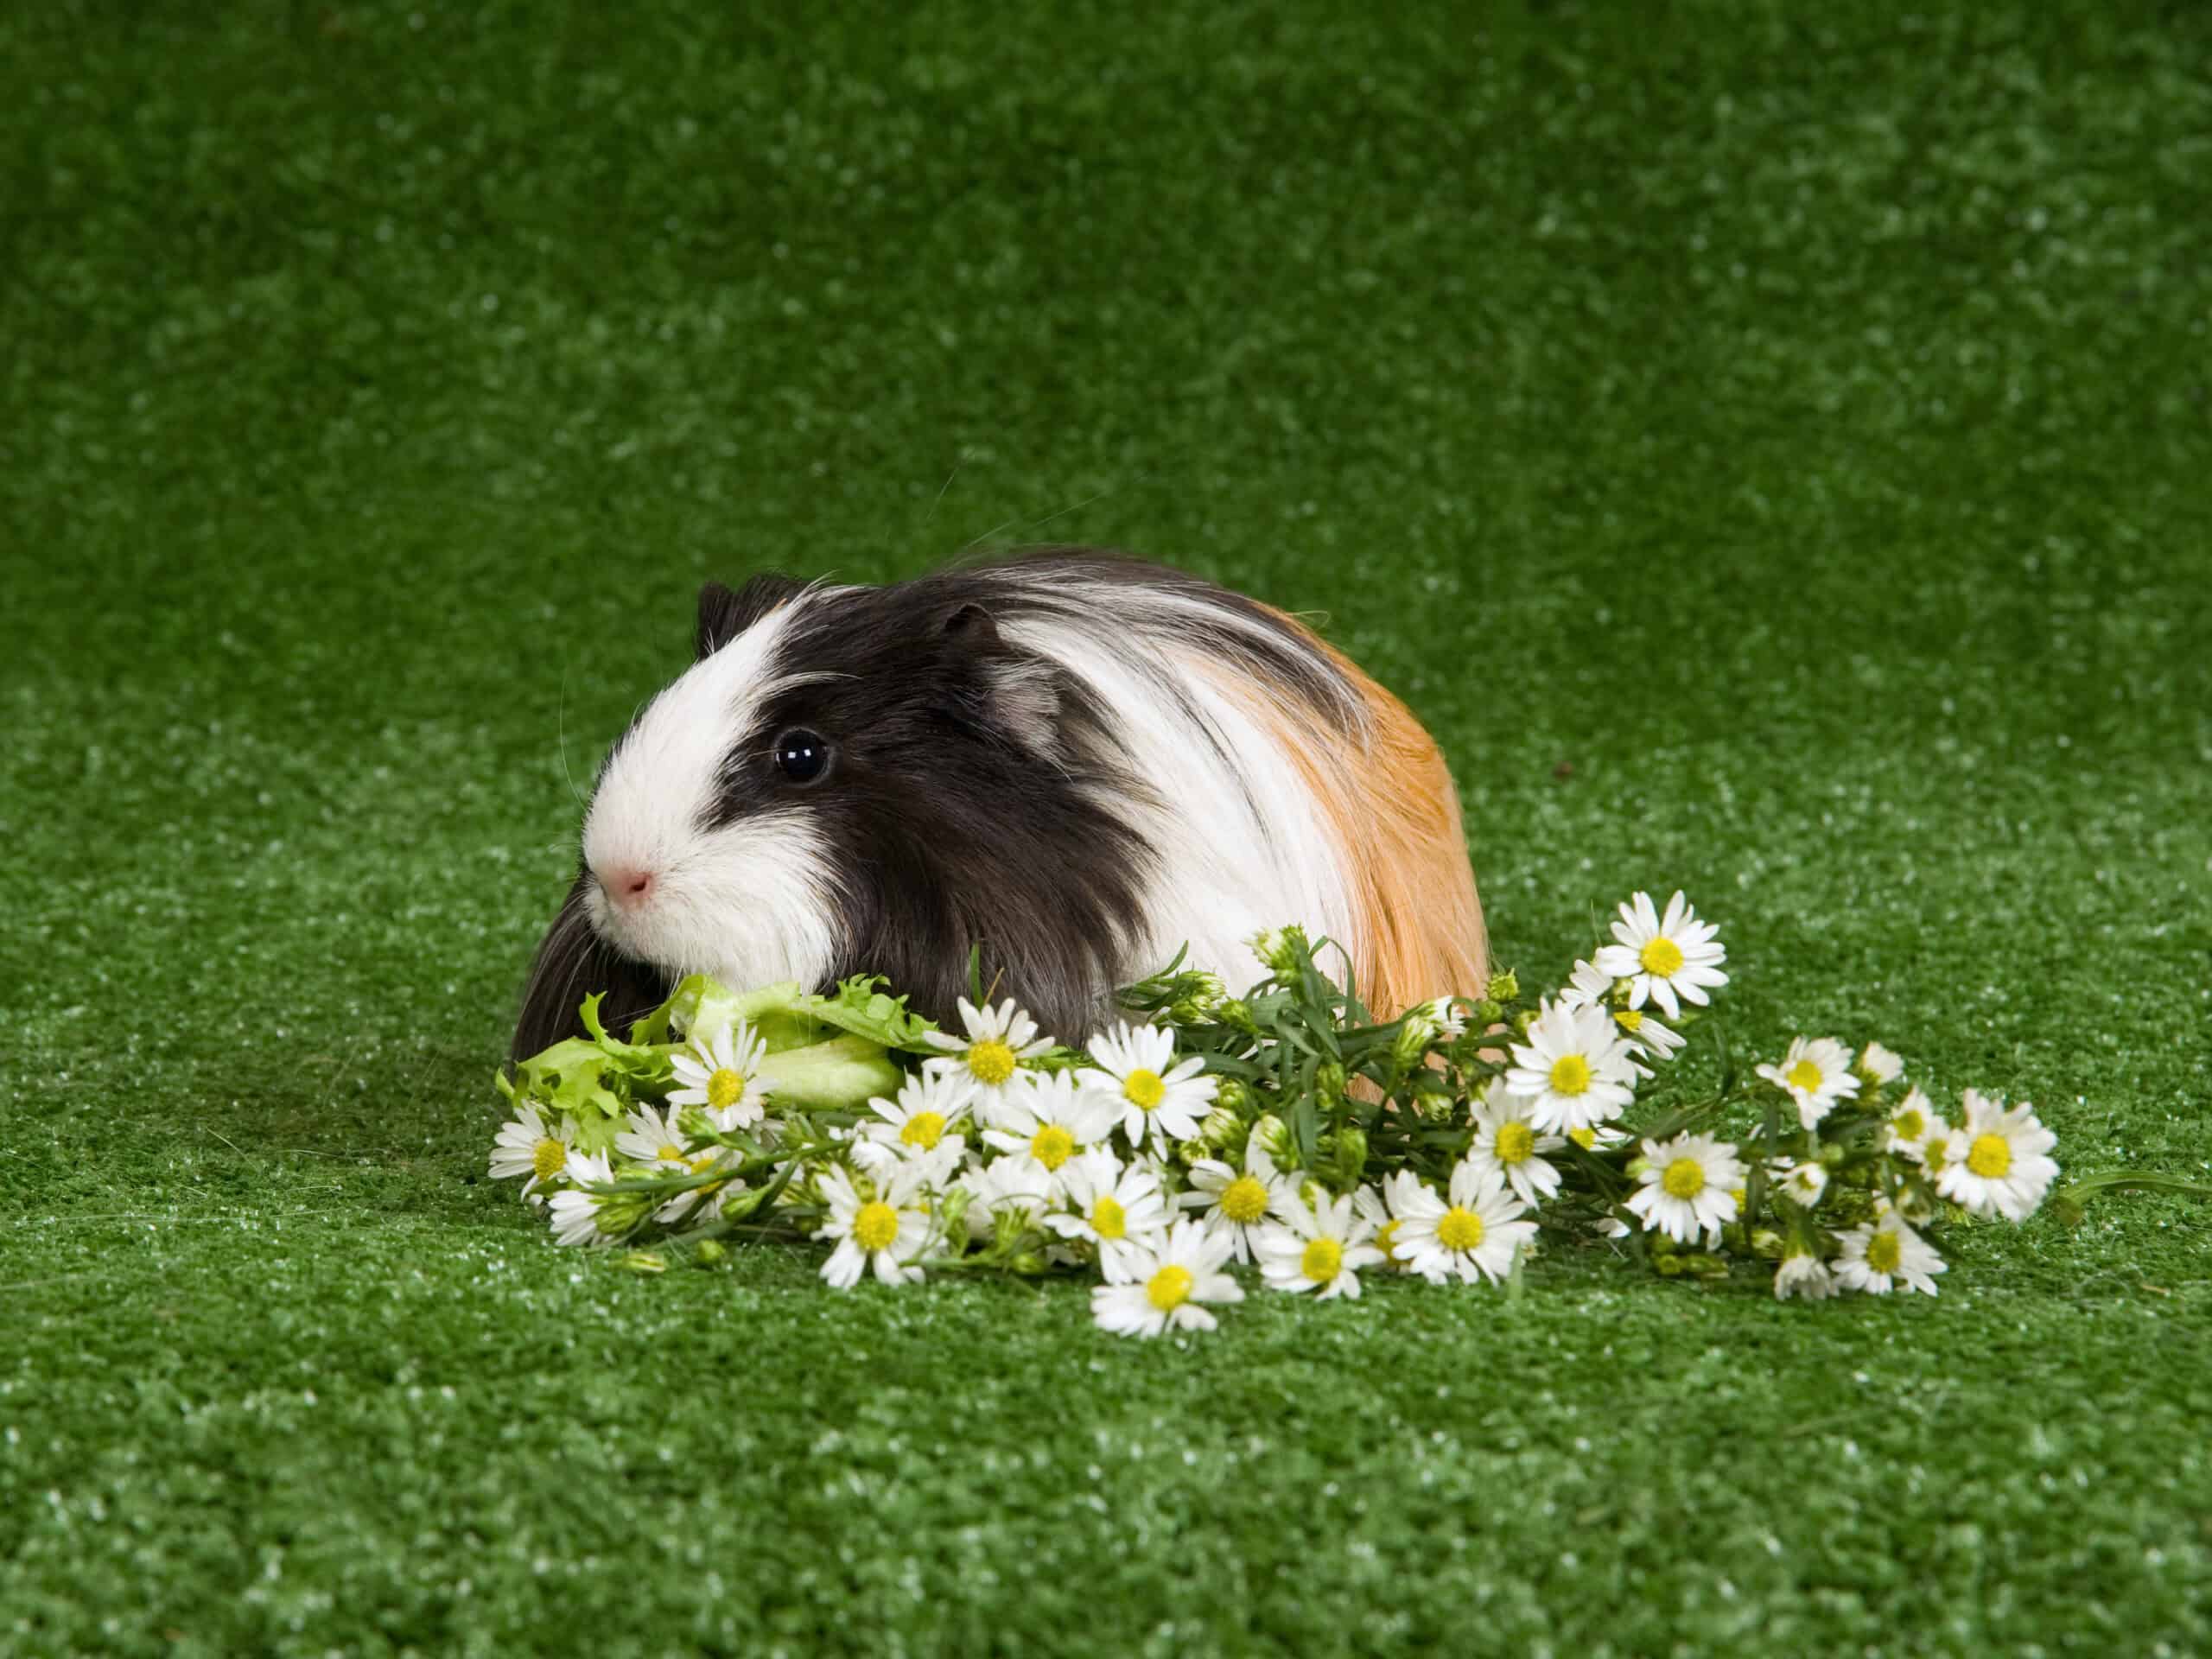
802, 756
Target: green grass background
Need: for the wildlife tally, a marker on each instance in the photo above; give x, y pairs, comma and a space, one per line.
1769, 444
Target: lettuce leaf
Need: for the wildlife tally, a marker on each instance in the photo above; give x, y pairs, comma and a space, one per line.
865, 1011
841, 1075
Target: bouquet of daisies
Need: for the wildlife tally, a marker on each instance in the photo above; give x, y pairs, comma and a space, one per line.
1287, 1133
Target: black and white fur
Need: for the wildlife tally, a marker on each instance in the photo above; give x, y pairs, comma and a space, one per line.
1036, 757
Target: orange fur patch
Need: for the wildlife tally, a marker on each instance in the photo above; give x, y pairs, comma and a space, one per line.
1389, 803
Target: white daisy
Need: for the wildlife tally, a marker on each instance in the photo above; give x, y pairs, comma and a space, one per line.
997, 1042
1018, 1187
1816, 1074
1878, 1065
918, 1121
1444, 1014
1805, 1275
1647, 1039
1321, 1247
1664, 958
1387, 1207
1573, 1070
1171, 1274
1156, 1097
1914, 1127
1688, 1185
885, 1232
574, 1214
1598, 1138
1586, 987
1476, 1233
722, 1074
653, 1137
1236, 1202
1049, 1120
716, 1194
1112, 1208
1507, 1142
1879, 1256
1997, 1162
527, 1145
1804, 1183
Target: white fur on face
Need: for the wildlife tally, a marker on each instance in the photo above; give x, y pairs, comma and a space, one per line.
750, 903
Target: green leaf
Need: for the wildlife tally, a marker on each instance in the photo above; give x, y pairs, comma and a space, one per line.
2072, 1201
862, 1008
702, 1008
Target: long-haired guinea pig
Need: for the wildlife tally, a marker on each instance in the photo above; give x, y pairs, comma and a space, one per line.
1074, 760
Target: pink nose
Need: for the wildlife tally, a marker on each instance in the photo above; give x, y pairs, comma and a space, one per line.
627, 886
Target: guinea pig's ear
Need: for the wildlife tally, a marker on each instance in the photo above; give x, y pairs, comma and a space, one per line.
971, 624
1020, 695
724, 614
1025, 703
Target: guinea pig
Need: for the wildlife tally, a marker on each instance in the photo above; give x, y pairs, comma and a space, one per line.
1073, 761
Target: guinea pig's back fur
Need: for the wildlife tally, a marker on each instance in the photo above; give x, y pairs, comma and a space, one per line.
1078, 761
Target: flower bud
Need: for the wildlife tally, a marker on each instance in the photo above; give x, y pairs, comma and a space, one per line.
1237, 1014
711, 1252
618, 1213
952, 1211
1204, 991
1329, 1083
1766, 1244
1221, 1130
1231, 1096
642, 1261
1280, 949
1275, 1138
1503, 988
1028, 1263
1523, 1021
1349, 1156
1415, 1032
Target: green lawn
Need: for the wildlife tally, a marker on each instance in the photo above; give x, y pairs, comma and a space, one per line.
1768, 444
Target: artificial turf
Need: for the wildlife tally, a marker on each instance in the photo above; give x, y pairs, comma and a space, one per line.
1768, 444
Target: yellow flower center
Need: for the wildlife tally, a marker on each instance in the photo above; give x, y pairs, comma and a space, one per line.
1806, 1076
990, 1060
1884, 1251
725, 1089
1630, 1019
1386, 1238
1570, 1074
1169, 1288
671, 1154
875, 1226
700, 1165
1517, 1143
1685, 1178
1144, 1089
548, 1160
1662, 956
1323, 1260
1460, 1230
922, 1129
1245, 1200
1052, 1145
1109, 1220
1586, 1138
1909, 1124
1990, 1156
